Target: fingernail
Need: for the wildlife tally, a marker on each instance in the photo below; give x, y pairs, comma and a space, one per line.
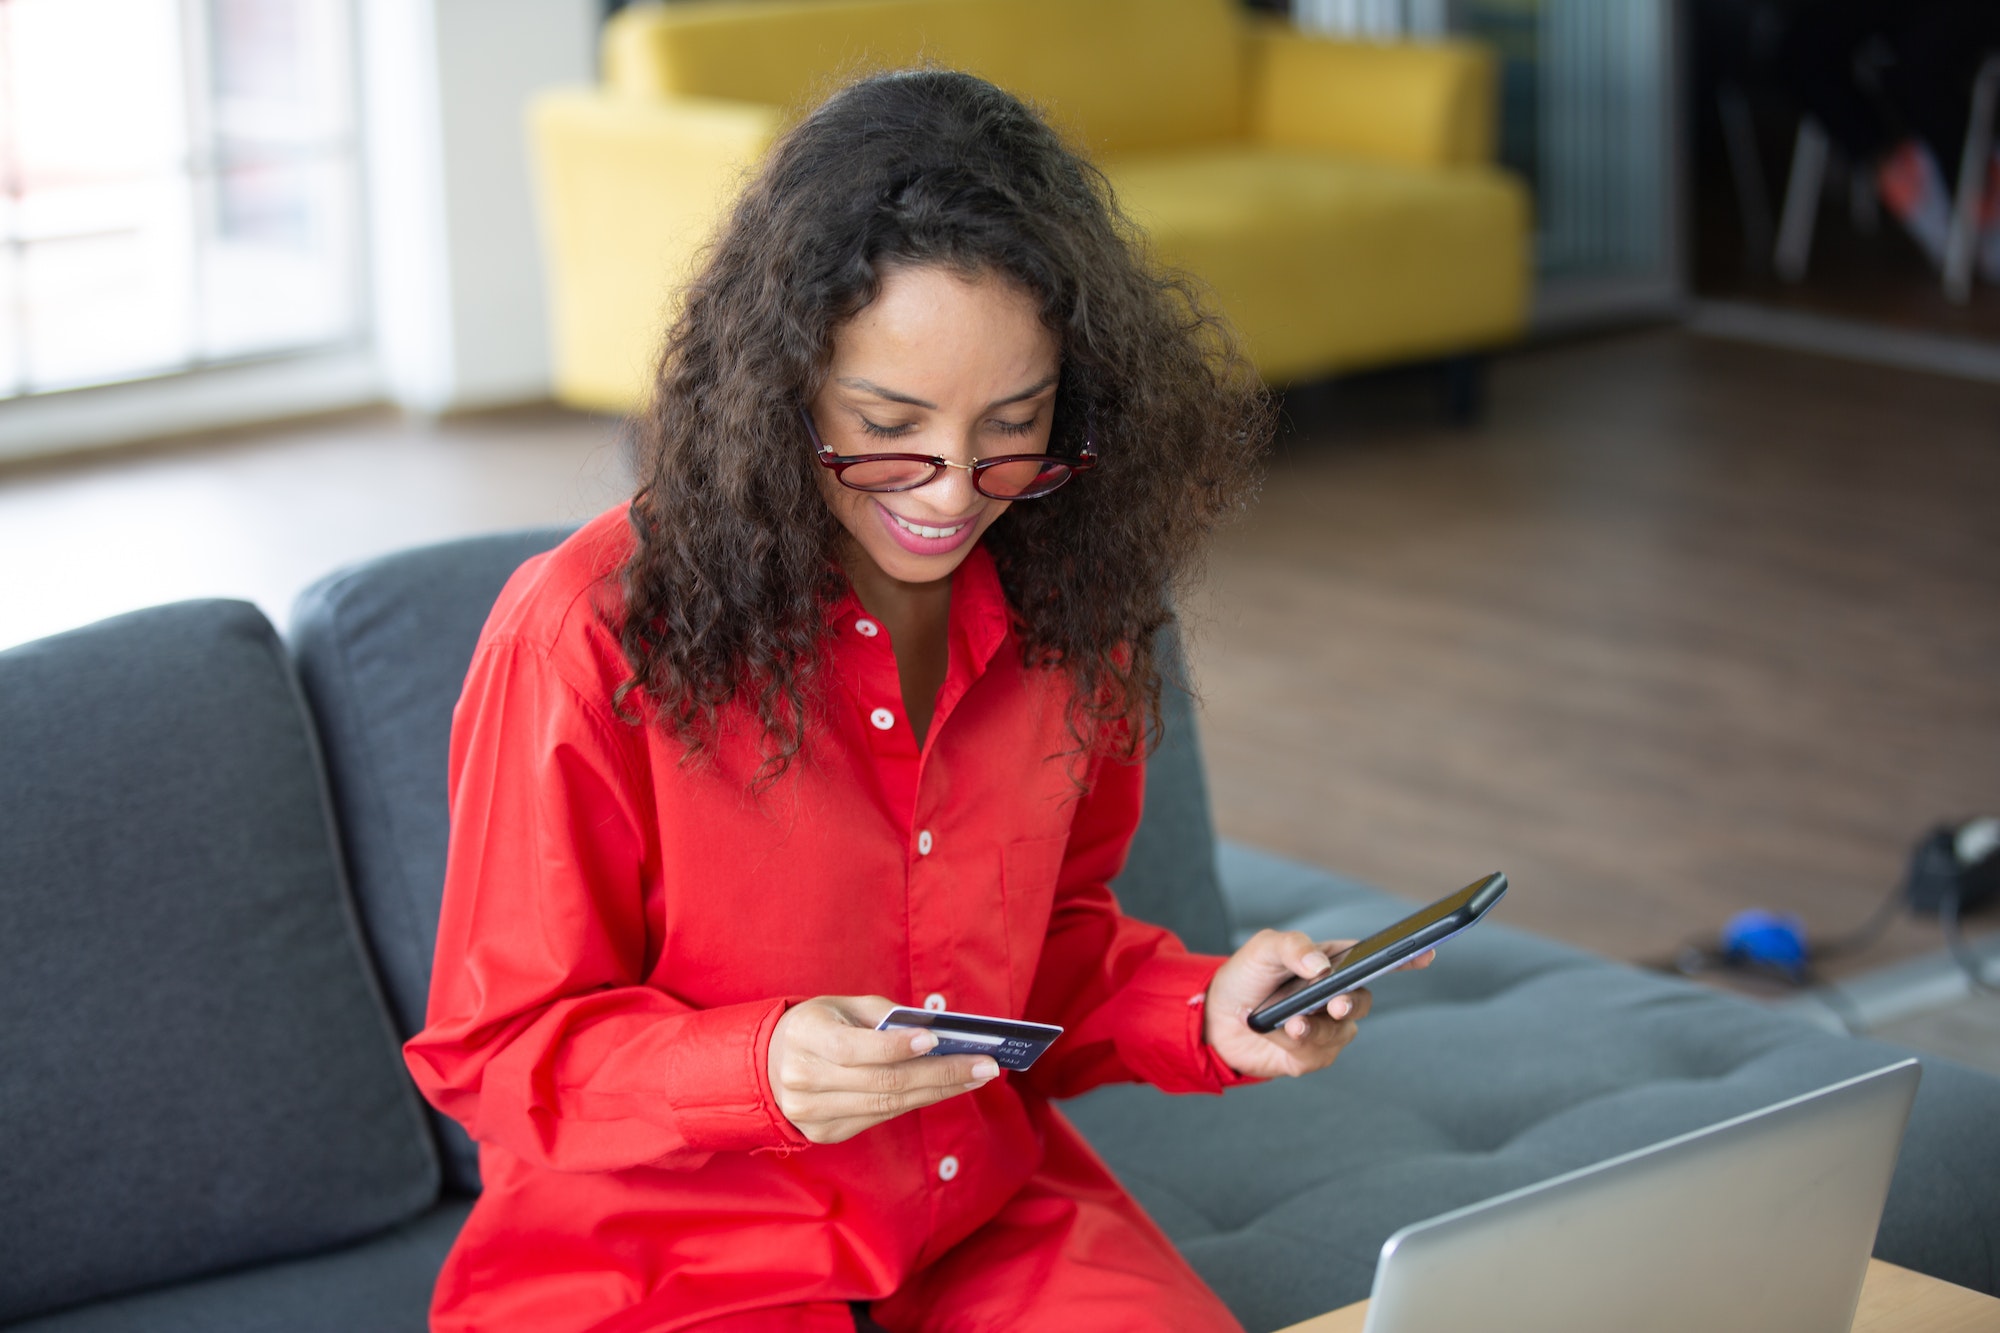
984, 1069
1339, 1008
1317, 963
922, 1042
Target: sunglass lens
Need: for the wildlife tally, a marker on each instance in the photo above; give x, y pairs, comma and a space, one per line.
1023, 480
893, 474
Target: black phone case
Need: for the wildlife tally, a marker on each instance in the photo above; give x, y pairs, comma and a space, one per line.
1269, 1018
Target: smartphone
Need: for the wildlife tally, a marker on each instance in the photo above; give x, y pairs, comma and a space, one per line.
1381, 951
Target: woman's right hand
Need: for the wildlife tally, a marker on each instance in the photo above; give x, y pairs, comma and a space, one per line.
833, 1075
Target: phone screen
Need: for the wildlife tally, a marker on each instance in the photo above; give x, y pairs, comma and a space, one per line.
1384, 941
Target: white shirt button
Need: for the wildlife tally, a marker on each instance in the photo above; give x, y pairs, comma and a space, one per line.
867, 628
924, 843
947, 1168
883, 719
934, 1002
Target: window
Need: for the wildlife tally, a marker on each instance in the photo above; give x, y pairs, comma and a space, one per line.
178, 186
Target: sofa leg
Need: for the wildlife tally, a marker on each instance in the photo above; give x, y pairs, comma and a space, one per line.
1465, 389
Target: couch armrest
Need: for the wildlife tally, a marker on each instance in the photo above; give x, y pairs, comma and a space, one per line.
629, 191
1429, 105
631, 52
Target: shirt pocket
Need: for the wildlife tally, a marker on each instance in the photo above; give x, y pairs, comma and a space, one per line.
1029, 870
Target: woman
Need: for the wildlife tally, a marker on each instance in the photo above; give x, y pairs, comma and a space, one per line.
808, 728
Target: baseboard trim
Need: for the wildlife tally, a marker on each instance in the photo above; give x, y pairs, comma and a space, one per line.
77, 420
1851, 340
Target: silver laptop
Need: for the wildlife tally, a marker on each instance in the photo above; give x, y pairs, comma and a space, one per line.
1761, 1224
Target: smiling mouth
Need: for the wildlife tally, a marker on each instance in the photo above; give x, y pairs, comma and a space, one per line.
920, 529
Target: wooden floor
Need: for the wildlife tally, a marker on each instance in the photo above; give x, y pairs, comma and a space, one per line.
1686, 627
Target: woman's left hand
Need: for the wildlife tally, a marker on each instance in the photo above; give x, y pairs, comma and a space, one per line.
1306, 1041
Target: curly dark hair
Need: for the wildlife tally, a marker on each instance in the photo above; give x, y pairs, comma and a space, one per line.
728, 593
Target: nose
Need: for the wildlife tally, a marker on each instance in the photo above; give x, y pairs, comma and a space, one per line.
951, 492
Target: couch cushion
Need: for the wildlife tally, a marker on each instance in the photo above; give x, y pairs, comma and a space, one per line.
1261, 890
379, 1286
383, 649
1170, 872
1326, 263
200, 1071
1116, 74
1513, 1059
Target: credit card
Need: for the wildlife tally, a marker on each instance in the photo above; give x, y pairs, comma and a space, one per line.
1012, 1043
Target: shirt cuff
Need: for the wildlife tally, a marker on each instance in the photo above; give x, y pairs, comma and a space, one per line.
1171, 1052
716, 1075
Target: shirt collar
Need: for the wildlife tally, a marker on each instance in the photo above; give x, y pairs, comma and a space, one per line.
980, 620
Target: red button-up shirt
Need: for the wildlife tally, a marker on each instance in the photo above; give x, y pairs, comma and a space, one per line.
622, 929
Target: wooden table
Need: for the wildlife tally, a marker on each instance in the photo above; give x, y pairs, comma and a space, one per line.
1893, 1300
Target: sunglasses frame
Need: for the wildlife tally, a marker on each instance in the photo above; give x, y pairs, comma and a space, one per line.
838, 464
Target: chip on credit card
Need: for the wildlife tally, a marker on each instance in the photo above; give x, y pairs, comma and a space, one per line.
1012, 1043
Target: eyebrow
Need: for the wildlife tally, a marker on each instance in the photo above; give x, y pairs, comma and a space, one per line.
869, 386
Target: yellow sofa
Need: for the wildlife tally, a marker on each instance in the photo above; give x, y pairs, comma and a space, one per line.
1338, 198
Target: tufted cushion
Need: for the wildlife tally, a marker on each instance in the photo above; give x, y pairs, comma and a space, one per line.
1266, 891
1510, 1061
383, 649
200, 1073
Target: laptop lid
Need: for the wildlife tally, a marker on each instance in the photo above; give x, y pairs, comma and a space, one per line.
1761, 1224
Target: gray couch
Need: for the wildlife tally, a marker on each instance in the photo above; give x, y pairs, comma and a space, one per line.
219, 867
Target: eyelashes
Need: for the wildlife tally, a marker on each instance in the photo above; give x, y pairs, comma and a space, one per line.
1012, 428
